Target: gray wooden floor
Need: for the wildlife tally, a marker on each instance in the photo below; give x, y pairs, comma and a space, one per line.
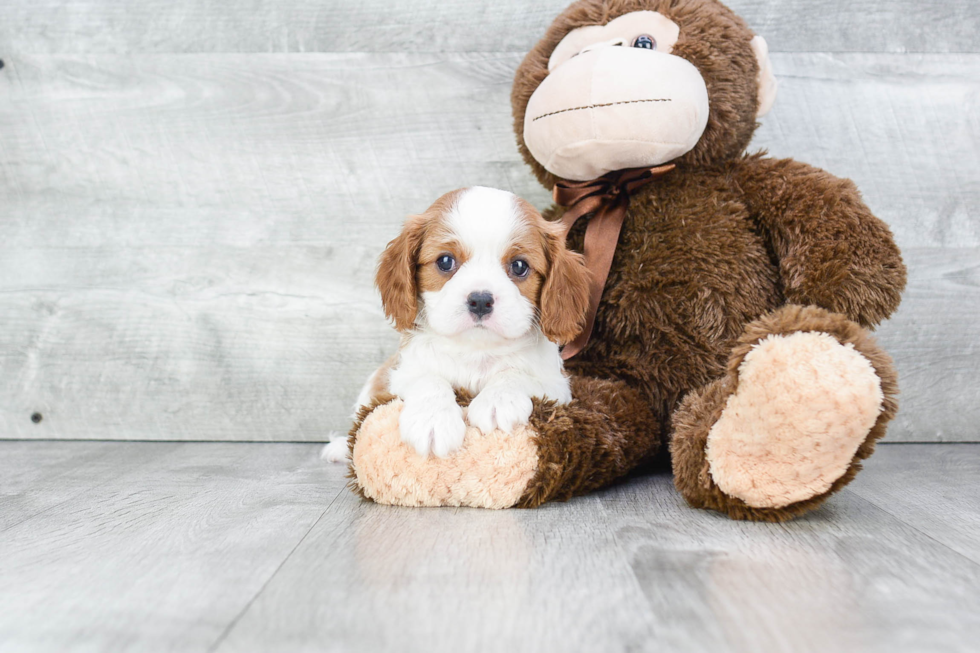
244, 546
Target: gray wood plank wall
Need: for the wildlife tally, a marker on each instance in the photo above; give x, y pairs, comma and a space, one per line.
193, 195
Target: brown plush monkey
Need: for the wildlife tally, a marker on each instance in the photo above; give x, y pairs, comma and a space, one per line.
732, 325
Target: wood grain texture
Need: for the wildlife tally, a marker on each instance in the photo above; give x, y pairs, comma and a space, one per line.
924, 485
188, 242
256, 547
159, 557
934, 339
848, 577
552, 579
182, 26
906, 129
38, 478
851, 577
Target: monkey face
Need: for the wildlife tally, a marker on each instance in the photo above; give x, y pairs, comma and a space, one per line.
616, 98
615, 84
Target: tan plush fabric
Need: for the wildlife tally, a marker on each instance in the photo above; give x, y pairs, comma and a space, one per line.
804, 404
489, 471
613, 108
767, 79
622, 31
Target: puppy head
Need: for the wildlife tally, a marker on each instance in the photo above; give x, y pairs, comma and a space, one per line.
483, 264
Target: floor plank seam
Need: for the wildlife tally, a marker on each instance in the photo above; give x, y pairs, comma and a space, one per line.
918, 530
231, 626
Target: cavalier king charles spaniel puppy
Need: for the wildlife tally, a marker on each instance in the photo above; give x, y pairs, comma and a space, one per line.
483, 291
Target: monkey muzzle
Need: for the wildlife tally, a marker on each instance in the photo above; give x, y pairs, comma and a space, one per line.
612, 108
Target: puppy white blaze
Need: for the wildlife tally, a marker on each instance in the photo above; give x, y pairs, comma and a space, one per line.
486, 222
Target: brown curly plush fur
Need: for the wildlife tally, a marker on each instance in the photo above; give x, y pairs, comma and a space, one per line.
708, 259
715, 256
601, 435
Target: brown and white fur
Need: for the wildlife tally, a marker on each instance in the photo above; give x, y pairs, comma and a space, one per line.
482, 289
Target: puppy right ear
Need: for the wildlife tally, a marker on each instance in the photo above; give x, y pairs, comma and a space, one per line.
396, 274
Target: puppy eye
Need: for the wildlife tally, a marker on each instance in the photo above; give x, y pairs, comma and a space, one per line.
645, 41
519, 268
445, 263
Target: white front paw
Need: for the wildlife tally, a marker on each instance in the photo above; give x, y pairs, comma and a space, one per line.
336, 451
432, 426
501, 408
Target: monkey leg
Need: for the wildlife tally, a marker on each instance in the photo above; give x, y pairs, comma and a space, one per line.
564, 451
806, 396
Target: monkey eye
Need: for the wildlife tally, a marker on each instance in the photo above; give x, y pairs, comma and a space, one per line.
446, 263
519, 268
645, 41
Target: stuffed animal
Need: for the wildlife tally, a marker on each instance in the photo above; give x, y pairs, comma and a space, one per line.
733, 293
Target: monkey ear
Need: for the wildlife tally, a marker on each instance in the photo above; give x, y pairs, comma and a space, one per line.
396, 274
766, 80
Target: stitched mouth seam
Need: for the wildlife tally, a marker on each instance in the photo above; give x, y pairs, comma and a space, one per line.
596, 106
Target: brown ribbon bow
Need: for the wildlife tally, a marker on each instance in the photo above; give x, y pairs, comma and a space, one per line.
607, 197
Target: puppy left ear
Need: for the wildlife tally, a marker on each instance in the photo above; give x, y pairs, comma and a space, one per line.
396, 274
766, 80
565, 294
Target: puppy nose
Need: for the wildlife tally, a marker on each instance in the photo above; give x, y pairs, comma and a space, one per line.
480, 303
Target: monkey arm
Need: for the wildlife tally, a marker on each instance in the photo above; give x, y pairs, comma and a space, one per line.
832, 252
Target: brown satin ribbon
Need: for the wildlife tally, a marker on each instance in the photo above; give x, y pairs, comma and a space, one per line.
607, 197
